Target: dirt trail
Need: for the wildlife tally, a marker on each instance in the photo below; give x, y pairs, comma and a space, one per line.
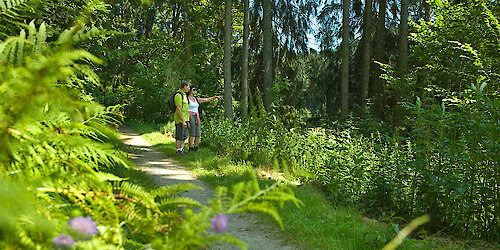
167, 171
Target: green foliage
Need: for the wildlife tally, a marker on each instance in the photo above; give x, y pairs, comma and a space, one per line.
448, 157
58, 157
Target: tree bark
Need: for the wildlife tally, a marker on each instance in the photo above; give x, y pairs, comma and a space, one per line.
366, 56
344, 87
402, 66
187, 40
228, 99
267, 52
403, 40
378, 87
244, 66
427, 11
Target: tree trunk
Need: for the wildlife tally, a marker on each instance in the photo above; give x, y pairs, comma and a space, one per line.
228, 99
378, 87
175, 20
403, 40
244, 66
427, 11
187, 40
150, 19
344, 87
366, 56
267, 52
402, 66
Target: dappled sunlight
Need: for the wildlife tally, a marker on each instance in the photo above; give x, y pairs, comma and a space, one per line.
171, 173
152, 160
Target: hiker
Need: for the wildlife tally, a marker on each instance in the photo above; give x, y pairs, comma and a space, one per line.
194, 117
181, 117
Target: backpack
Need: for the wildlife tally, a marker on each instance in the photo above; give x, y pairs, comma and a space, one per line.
171, 102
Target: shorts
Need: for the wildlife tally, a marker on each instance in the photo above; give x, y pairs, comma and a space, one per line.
180, 132
194, 128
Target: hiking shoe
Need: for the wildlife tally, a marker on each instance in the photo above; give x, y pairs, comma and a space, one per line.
181, 153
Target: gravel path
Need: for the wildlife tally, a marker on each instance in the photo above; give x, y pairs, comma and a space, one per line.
167, 171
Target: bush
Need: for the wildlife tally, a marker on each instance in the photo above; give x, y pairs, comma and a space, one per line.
445, 166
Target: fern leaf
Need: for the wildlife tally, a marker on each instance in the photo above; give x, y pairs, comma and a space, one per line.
7, 7
3, 47
89, 73
229, 239
71, 56
102, 176
238, 192
2, 5
32, 32
265, 207
41, 38
12, 52
94, 32
179, 202
20, 47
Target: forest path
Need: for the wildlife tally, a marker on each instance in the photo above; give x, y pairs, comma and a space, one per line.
167, 171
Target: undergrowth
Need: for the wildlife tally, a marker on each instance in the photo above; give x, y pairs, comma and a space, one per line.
319, 224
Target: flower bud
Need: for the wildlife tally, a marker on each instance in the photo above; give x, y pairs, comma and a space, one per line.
219, 223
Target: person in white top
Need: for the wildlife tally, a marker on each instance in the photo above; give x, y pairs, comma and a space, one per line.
194, 117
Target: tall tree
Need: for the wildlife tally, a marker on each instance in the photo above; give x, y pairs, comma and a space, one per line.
403, 40
427, 11
366, 57
344, 87
187, 38
228, 99
267, 50
378, 86
244, 66
402, 62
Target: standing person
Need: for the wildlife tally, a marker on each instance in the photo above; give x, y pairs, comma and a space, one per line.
181, 117
194, 117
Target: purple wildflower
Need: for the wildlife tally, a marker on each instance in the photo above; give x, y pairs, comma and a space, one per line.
63, 241
219, 223
84, 225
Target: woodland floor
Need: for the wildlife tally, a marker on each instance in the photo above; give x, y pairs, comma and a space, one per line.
167, 171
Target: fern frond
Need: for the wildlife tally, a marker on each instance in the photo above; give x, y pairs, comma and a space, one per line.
31, 32
8, 7
179, 202
94, 32
229, 239
265, 207
88, 73
238, 192
14, 49
41, 39
69, 57
20, 47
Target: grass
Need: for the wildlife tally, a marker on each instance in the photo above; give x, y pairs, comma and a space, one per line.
316, 225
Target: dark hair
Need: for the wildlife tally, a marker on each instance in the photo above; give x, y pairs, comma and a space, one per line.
185, 83
191, 89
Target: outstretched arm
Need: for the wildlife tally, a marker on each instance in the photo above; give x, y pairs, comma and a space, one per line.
200, 100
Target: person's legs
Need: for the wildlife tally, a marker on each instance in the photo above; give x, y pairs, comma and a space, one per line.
196, 141
179, 144
190, 141
180, 138
192, 124
196, 134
